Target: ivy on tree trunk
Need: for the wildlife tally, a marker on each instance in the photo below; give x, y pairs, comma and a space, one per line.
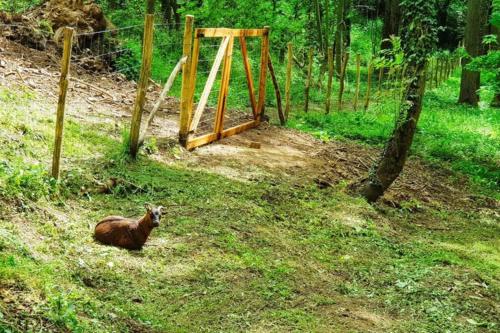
419, 37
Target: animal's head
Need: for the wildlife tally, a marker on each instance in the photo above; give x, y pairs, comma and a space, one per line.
154, 214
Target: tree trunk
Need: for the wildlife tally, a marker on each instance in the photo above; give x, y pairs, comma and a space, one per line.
392, 21
418, 41
496, 98
339, 38
170, 13
477, 18
319, 27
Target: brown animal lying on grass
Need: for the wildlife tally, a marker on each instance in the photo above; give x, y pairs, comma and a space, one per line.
129, 234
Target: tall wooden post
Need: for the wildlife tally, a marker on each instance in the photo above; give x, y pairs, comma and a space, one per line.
309, 77
187, 85
369, 84
142, 86
342, 78
61, 104
358, 80
263, 74
330, 80
288, 84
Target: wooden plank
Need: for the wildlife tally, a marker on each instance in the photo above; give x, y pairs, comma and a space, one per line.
309, 77
185, 112
194, 70
147, 57
239, 129
61, 104
224, 90
263, 74
330, 80
288, 84
276, 90
200, 141
358, 80
224, 32
248, 71
209, 84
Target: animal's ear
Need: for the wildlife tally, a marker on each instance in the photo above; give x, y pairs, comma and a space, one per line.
148, 206
161, 209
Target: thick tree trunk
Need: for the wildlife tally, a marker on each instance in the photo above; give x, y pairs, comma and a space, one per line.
393, 158
418, 40
392, 22
477, 18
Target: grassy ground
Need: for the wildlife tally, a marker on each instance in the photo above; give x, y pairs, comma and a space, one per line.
463, 138
275, 254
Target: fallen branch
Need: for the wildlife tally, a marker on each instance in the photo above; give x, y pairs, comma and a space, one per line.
277, 90
163, 95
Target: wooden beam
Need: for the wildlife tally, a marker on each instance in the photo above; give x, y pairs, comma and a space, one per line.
224, 32
200, 141
239, 129
224, 89
185, 112
249, 76
263, 73
209, 84
161, 99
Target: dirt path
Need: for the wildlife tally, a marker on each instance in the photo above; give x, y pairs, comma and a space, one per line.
284, 153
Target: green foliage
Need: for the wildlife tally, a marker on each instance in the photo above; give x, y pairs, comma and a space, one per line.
419, 33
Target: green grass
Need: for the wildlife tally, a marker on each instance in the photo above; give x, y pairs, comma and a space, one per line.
272, 254
466, 139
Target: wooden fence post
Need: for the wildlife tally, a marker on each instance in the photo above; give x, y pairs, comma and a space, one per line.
309, 76
288, 84
142, 86
380, 77
330, 80
263, 74
187, 88
441, 70
61, 104
368, 84
342, 79
436, 72
358, 80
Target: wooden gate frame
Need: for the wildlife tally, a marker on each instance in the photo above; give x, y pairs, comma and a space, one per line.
224, 56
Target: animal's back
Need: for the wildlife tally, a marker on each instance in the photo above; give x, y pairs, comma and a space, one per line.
114, 230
